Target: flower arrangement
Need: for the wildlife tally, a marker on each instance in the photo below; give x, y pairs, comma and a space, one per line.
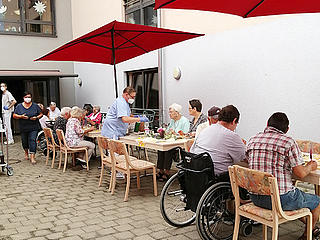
161, 132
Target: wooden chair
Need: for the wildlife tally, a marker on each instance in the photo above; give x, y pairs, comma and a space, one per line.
64, 148
188, 144
128, 166
51, 145
263, 184
304, 145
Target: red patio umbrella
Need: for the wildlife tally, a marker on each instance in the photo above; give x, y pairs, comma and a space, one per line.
245, 8
116, 42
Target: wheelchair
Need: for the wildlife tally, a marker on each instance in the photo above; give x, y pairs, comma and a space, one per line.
195, 193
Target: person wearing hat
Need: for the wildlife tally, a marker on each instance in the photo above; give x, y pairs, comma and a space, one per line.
178, 124
213, 114
195, 108
54, 111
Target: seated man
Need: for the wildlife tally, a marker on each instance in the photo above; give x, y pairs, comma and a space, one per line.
213, 114
274, 152
221, 142
54, 111
61, 122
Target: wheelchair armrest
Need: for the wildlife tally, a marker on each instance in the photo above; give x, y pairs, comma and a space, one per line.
194, 171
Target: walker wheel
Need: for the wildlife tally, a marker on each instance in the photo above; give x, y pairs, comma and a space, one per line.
9, 171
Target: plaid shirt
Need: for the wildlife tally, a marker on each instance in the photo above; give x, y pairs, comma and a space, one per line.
274, 152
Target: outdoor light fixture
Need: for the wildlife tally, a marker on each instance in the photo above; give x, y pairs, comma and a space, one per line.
177, 73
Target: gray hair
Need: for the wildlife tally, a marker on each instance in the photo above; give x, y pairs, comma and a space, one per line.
77, 112
176, 107
97, 107
65, 110
53, 104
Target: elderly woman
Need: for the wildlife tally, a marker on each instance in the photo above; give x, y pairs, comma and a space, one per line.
177, 124
95, 117
28, 114
195, 108
61, 122
75, 133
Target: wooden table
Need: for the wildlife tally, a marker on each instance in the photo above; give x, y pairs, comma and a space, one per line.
93, 134
160, 145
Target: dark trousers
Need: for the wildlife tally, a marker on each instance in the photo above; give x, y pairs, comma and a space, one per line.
165, 158
29, 140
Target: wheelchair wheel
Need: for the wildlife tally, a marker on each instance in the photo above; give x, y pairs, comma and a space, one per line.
214, 216
173, 204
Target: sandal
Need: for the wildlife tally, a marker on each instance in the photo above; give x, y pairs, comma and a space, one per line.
316, 233
165, 177
159, 175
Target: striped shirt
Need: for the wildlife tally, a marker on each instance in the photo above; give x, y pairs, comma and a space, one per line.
274, 152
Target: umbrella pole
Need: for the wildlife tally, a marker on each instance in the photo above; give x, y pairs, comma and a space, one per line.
114, 62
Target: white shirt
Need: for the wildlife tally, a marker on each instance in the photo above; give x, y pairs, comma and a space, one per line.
43, 121
54, 114
7, 99
224, 146
201, 127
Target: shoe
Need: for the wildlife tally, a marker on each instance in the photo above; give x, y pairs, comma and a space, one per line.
84, 166
81, 160
120, 175
9, 143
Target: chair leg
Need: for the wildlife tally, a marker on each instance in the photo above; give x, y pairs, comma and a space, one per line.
127, 187
138, 180
146, 154
47, 158
87, 160
155, 188
60, 159
101, 174
309, 227
113, 179
53, 158
236, 227
264, 232
65, 161
275, 232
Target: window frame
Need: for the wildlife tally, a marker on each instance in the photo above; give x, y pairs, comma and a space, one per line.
23, 21
141, 4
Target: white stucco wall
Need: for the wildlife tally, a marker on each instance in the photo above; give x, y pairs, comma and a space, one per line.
18, 52
261, 68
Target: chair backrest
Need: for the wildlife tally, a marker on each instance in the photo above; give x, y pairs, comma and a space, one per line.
257, 182
61, 138
315, 147
103, 144
49, 137
119, 147
188, 144
304, 145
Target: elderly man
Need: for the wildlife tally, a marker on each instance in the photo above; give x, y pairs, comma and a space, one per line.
61, 122
221, 142
178, 124
213, 114
274, 152
8, 102
54, 111
119, 116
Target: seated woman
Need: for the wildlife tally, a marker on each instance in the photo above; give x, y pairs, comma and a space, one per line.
95, 117
45, 118
195, 108
75, 133
178, 123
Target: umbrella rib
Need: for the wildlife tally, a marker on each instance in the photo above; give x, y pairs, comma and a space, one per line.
129, 40
98, 45
164, 4
254, 8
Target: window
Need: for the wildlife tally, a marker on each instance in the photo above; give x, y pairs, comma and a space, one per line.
141, 12
27, 17
146, 84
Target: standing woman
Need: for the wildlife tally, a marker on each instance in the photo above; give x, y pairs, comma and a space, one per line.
195, 108
28, 114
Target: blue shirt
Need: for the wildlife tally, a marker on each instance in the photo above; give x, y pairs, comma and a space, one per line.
182, 124
27, 125
113, 125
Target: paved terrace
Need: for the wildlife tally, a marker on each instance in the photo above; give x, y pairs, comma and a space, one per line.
40, 203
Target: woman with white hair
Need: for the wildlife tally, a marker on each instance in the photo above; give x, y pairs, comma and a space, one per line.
95, 117
75, 133
178, 124
61, 122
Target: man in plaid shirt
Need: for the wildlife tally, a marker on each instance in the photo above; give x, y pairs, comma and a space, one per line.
274, 152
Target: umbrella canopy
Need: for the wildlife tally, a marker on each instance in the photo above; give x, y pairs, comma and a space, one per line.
116, 42
245, 8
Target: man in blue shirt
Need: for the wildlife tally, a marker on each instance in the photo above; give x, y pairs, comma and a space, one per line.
118, 118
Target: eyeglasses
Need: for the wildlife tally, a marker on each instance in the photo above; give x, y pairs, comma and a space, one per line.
131, 96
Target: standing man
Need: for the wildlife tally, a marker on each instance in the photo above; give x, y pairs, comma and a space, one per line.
118, 118
8, 103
